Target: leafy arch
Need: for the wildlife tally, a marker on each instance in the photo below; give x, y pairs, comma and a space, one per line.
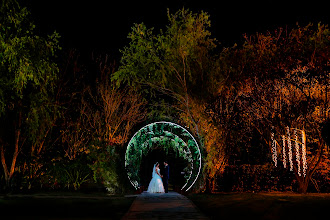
169, 135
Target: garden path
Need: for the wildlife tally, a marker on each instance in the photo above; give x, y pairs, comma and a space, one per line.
170, 205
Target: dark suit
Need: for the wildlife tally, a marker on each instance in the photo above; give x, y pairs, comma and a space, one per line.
166, 176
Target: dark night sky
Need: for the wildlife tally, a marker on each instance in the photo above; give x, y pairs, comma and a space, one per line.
103, 25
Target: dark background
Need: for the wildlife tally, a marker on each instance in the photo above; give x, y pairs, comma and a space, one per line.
103, 25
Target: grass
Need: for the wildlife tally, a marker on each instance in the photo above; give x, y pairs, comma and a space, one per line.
64, 206
263, 205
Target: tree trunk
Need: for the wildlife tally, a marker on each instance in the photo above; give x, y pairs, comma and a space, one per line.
10, 172
304, 181
303, 184
15, 154
4, 165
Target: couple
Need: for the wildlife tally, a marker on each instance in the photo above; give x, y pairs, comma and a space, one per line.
156, 183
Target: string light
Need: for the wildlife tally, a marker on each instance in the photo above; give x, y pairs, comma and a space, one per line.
149, 133
284, 153
297, 150
303, 152
287, 142
290, 148
274, 151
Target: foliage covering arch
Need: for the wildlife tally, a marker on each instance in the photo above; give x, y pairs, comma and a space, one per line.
168, 134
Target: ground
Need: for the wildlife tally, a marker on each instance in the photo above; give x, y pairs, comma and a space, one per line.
263, 205
172, 205
98, 206
64, 206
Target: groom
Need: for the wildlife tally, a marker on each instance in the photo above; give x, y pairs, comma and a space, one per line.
166, 176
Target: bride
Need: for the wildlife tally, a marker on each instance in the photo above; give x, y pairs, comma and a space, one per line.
156, 183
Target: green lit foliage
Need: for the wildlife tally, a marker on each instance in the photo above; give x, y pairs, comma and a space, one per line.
172, 60
168, 136
105, 166
27, 80
25, 56
67, 175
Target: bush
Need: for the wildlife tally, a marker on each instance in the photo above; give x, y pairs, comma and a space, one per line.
255, 178
108, 168
67, 174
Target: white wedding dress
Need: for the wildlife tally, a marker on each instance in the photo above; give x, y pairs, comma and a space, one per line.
156, 183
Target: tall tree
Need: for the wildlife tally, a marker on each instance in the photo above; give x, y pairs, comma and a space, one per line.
108, 114
176, 61
173, 68
27, 79
276, 80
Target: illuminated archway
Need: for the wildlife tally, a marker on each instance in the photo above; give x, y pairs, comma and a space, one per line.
170, 135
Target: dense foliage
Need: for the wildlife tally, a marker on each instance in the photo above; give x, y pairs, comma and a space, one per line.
27, 80
278, 80
66, 122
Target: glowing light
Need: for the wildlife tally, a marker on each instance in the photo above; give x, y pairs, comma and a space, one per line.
297, 150
274, 150
287, 142
284, 153
290, 148
303, 149
150, 135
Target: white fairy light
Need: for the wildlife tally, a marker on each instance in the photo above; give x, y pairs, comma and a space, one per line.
297, 151
274, 151
290, 149
303, 152
287, 151
284, 153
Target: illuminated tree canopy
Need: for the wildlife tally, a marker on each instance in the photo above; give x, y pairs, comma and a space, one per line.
168, 135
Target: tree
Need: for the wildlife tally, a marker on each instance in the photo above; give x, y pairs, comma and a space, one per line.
174, 63
278, 80
173, 68
27, 79
107, 115
213, 136
176, 59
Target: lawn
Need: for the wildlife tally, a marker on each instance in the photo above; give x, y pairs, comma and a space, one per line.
64, 207
263, 205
